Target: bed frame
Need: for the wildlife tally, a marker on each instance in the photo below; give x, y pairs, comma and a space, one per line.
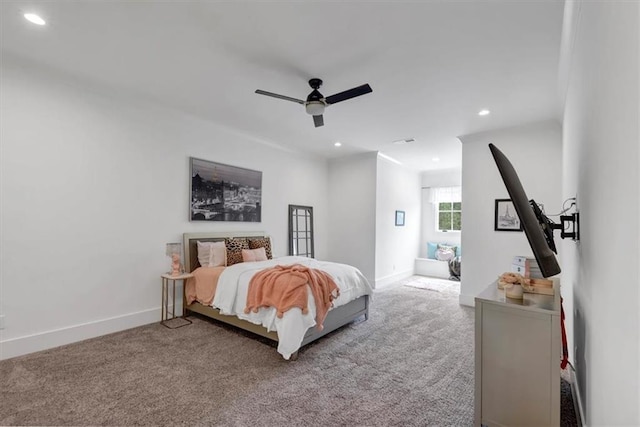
336, 317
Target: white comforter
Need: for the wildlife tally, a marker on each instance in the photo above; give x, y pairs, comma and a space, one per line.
233, 286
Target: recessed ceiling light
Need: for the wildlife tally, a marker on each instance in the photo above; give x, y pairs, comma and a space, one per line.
338, 144
484, 112
32, 17
435, 159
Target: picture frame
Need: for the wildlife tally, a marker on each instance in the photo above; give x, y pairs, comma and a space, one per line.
220, 192
506, 218
399, 218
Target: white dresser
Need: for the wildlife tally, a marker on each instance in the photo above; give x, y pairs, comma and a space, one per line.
518, 351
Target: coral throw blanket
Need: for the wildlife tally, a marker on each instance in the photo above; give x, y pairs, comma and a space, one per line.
285, 287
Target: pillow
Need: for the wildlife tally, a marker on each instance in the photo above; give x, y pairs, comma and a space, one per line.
445, 253
262, 243
451, 246
204, 252
431, 250
217, 254
253, 255
234, 249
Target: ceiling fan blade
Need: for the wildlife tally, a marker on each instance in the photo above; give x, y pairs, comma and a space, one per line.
275, 95
348, 94
318, 120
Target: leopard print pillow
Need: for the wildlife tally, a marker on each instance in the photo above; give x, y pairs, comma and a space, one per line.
234, 249
262, 243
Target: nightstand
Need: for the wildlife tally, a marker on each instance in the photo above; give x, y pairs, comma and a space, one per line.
166, 279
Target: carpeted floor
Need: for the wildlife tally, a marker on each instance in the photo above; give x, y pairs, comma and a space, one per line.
410, 364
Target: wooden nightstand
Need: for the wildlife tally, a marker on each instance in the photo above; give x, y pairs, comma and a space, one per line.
166, 278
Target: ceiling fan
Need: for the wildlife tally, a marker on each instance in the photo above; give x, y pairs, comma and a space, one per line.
316, 102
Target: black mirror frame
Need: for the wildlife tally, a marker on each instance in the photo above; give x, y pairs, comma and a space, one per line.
309, 239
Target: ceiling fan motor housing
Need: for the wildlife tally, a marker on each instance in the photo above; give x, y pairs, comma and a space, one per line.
315, 101
315, 83
315, 96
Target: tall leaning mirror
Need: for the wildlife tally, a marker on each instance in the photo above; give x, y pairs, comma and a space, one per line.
301, 230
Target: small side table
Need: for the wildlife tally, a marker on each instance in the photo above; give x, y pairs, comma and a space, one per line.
166, 278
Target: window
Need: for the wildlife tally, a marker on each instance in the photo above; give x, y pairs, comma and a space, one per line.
448, 208
449, 216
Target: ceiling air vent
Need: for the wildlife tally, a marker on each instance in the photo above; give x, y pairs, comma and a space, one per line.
404, 141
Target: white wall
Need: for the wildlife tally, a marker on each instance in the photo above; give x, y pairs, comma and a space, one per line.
434, 179
397, 188
601, 161
535, 150
352, 213
92, 188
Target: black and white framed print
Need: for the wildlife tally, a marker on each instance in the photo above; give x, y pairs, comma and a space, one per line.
506, 217
222, 192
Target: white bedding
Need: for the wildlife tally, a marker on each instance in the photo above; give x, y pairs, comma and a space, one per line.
233, 285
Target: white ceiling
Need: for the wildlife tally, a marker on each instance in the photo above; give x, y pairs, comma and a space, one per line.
432, 65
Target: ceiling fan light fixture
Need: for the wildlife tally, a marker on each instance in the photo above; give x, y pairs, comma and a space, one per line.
314, 108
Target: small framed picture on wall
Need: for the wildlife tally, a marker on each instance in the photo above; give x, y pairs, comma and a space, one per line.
399, 218
506, 217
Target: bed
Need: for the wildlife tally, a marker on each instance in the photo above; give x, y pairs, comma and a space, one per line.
295, 329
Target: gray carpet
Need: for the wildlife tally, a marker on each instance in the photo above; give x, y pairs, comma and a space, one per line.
410, 364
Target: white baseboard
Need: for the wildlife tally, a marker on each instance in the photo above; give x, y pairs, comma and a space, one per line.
468, 300
45, 340
388, 280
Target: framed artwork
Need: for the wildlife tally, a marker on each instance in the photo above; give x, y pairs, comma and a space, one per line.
506, 217
220, 192
399, 218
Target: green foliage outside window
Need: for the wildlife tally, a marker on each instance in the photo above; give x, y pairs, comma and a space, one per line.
449, 216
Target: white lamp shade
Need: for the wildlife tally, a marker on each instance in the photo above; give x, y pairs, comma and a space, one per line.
174, 248
315, 108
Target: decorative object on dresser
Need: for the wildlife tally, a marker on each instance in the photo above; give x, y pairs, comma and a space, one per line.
399, 218
530, 270
174, 250
506, 217
222, 192
512, 283
221, 293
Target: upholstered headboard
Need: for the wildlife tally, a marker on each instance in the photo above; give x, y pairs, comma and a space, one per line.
190, 243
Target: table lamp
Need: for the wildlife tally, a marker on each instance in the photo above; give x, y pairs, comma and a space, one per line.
174, 250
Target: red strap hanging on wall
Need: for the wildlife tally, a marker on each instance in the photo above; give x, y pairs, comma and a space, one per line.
565, 350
